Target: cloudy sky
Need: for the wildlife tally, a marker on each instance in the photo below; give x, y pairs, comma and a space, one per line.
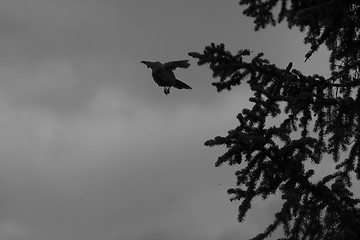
91, 148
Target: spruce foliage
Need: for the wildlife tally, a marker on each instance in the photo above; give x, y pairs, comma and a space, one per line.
322, 118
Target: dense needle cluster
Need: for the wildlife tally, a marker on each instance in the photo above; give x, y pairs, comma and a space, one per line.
322, 118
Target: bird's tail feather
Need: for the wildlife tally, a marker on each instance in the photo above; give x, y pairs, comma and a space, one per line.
181, 85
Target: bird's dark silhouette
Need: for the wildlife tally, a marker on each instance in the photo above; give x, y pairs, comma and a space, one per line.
164, 76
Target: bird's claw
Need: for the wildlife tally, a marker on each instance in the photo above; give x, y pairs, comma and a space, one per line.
166, 90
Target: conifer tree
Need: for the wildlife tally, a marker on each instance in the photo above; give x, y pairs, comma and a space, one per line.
322, 118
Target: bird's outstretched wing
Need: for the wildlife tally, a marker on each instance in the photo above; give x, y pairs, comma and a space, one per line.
175, 64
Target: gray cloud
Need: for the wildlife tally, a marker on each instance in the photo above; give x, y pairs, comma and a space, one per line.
101, 173
90, 147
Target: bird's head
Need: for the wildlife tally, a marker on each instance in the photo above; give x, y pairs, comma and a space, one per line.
152, 65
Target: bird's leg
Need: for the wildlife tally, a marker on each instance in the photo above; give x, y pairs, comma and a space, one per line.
165, 91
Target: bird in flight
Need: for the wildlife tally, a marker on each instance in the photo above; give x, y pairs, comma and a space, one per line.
164, 76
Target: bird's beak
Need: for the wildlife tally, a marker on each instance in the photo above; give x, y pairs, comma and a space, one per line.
146, 63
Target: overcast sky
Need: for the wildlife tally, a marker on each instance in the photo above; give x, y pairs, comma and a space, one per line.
91, 148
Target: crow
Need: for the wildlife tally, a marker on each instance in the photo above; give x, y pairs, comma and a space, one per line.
164, 76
